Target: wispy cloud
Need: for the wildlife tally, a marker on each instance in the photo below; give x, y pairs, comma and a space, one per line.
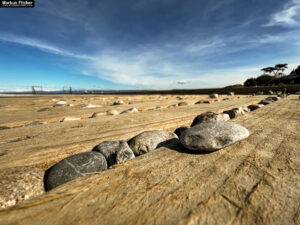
288, 16
11, 38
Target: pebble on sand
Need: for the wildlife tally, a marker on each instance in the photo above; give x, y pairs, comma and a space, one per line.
112, 112
182, 103
36, 123
69, 119
93, 106
98, 114
214, 95
210, 116
119, 102
131, 110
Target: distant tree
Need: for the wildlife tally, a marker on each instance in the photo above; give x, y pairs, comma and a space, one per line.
279, 68
250, 82
268, 69
275, 70
296, 71
264, 80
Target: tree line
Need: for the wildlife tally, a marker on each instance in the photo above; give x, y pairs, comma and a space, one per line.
274, 76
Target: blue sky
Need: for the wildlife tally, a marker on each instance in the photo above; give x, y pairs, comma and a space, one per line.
145, 44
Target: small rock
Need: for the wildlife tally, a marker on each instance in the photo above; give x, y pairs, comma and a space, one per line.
225, 99
182, 103
179, 98
115, 152
59, 105
199, 102
231, 93
35, 123
245, 109
265, 102
98, 114
112, 112
131, 110
206, 101
273, 99
270, 92
20, 183
119, 102
69, 119
212, 135
210, 116
214, 95
73, 167
4, 128
93, 106
172, 106
179, 130
234, 112
149, 140
61, 102
44, 109
71, 105
253, 107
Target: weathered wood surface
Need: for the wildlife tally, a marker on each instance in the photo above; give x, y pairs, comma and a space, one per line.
255, 181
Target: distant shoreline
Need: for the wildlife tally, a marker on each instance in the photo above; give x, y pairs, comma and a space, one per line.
237, 90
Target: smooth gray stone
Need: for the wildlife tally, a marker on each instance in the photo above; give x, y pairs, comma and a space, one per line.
265, 102
35, 123
209, 116
212, 135
273, 99
115, 152
149, 140
73, 167
44, 109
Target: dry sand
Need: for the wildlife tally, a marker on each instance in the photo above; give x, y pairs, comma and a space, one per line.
255, 181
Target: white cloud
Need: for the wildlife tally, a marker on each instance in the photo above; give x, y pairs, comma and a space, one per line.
40, 45
287, 17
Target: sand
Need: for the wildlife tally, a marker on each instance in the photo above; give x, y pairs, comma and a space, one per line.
255, 181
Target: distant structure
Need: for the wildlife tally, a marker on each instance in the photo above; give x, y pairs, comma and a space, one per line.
67, 90
34, 89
